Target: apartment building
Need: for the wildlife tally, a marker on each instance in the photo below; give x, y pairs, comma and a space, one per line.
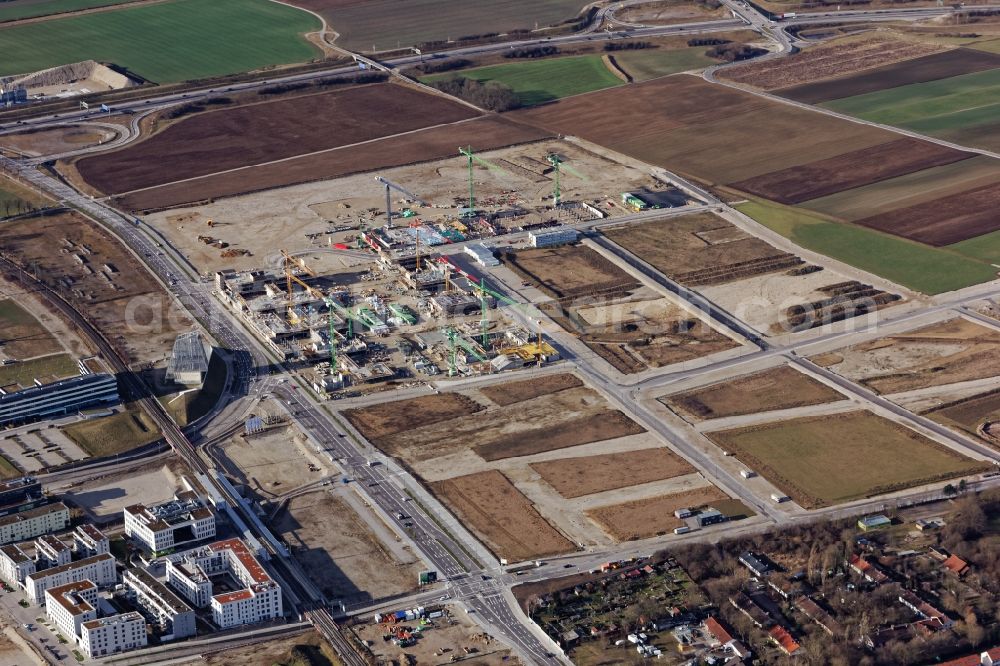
70, 605
173, 617
28, 524
99, 569
111, 635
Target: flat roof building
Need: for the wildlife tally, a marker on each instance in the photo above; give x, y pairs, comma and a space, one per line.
17, 491
111, 635
185, 519
15, 565
173, 617
258, 601
553, 237
99, 569
89, 541
68, 396
70, 605
50, 551
28, 524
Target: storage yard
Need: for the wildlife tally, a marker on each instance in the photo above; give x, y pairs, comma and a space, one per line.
654, 516
819, 461
782, 387
957, 350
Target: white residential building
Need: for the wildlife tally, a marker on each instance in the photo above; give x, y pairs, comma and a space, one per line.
185, 519
50, 551
15, 565
171, 615
70, 605
258, 601
99, 569
111, 635
89, 541
28, 524
187, 577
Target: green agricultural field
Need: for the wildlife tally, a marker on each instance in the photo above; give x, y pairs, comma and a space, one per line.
539, 81
985, 248
19, 9
25, 372
391, 24
938, 108
817, 461
920, 267
651, 63
167, 42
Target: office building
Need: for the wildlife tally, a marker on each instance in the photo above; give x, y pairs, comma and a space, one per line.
68, 396
185, 519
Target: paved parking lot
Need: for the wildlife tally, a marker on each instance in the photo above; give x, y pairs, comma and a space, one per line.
35, 448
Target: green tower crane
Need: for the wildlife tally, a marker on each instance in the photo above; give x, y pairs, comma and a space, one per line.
473, 159
558, 165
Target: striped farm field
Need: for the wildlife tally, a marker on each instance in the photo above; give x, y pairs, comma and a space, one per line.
13, 10
167, 42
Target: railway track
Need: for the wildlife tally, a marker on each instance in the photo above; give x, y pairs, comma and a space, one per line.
318, 615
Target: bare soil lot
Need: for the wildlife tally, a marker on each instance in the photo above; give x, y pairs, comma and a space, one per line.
273, 462
510, 393
683, 248
339, 552
379, 422
827, 460
422, 431
779, 388
850, 170
500, 515
99, 276
58, 140
229, 138
434, 143
971, 213
107, 497
927, 68
953, 351
839, 58
576, 477
971, 414
438, 641
284, 651
651, 517
571, 271
674, 122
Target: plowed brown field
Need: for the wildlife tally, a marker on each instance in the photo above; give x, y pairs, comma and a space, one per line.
230, 138
708, 132
850, 170
918, 70
839, 58
969, 214
435, 143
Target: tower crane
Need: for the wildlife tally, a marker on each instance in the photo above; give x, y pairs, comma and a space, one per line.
288, 262
454, 341
389, 185
558, 163
473, 159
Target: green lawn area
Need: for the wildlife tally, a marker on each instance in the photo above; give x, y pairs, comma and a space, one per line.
985, 248
652, 63
15, 199
931, 107
10, 11
167, 42
920, 267
25, 372
817, 461
538, 81
118, 433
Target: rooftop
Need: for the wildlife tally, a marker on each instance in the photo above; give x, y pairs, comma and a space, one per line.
68, 596
188, 354
249, 562
162, 592
53, 542
91, 532
121, 618
87, 561
14, 552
